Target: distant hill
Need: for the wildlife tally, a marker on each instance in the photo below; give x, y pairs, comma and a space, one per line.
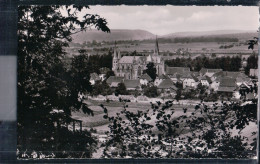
122, 34
240, 34
115, 34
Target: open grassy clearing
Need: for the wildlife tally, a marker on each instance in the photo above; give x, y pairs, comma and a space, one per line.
100, 124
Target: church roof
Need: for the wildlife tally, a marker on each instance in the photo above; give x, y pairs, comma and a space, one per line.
127, 59
130, 59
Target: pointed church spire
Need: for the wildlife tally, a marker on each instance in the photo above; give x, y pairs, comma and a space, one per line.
119, 54
115, 53
156, 50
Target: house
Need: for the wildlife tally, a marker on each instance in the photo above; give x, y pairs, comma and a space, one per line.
175, 77
159, 79
189, 80
241, 80
205, 81
113, 81
245, 91
145, 79
103, 71
239, 76
227, 86
167, 85
253, 72
215, 84
132, 84
208, 72
94, 78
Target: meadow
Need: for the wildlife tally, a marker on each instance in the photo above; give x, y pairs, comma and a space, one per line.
101, 125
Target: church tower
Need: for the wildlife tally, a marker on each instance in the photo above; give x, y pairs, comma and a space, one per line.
156, 49
116, 58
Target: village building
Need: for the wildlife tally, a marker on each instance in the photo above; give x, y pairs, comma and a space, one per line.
175, 77
189, 81
94, 78
113, 81
167, 87
253, 72
145, 79
209, 72
215, 84
132, 67
103, 71
205, 81
159, 79
227, 86
239, 76
132, 84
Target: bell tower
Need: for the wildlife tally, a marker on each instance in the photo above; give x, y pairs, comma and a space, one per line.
115, 59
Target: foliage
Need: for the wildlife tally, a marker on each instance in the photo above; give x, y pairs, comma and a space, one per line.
110, 73
150, 70
225, 63
252, 43
252, 63
203, 132
101, 88
121, 89
44, 83
151, 91
126, 135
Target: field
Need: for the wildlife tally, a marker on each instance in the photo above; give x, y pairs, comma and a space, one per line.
101, 125
166, 48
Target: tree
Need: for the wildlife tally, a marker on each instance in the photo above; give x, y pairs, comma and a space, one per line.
121, 89
126, 135
252, 63
202, 132
110, 73
150, 70
45, 84
101, 88
151, 91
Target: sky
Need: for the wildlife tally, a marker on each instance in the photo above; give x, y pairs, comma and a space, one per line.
163, 20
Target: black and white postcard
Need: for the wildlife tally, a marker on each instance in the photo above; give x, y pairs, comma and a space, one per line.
117, 82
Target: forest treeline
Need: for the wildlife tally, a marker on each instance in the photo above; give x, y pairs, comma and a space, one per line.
225, 63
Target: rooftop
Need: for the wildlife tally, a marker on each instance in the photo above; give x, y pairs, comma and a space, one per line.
227, 82
167, 84
146, 77
114, 79
131, 83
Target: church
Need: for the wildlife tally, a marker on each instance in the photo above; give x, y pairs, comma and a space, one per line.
131, 67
